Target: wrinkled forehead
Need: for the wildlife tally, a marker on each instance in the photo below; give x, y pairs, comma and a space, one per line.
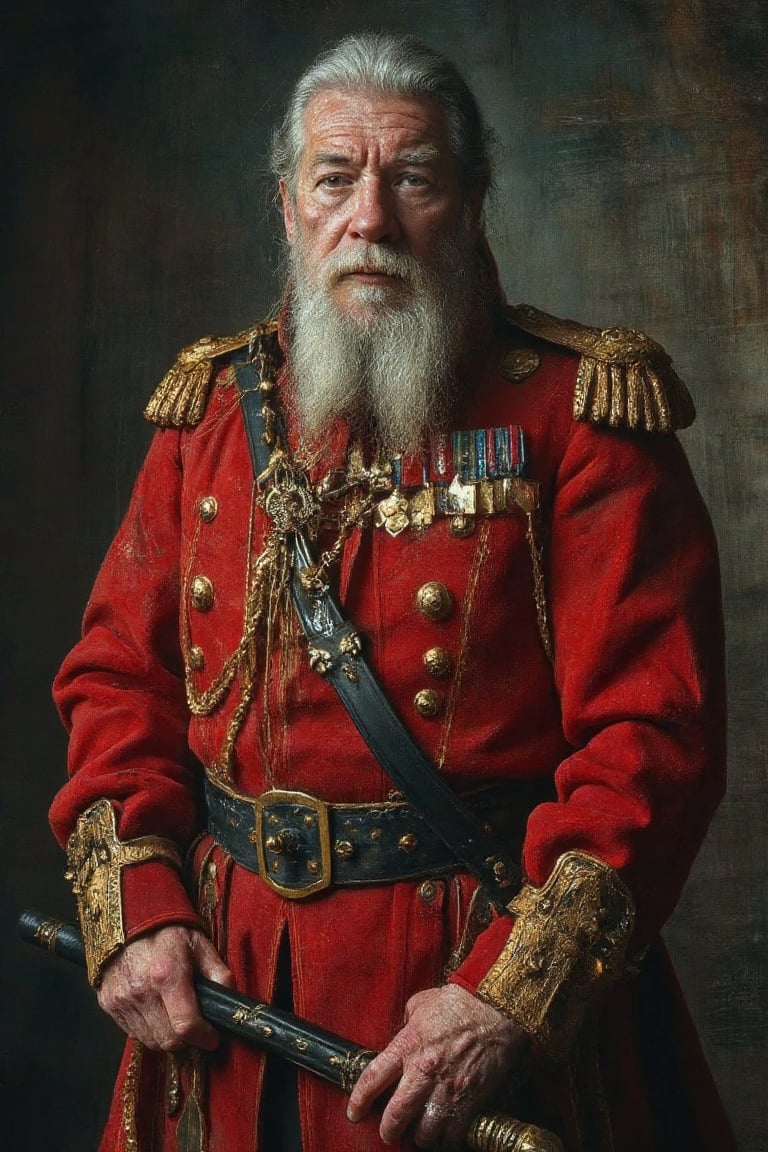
340, 120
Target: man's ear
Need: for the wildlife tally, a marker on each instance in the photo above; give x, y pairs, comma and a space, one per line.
288, 214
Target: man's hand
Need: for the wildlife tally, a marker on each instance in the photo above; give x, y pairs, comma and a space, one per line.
147, 988
453, 1051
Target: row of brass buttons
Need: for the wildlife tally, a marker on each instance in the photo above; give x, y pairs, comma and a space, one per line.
435, 602
201, 589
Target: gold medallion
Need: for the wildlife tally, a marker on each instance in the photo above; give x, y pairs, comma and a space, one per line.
392, 513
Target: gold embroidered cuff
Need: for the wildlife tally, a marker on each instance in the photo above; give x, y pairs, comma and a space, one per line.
567, 945
95, 859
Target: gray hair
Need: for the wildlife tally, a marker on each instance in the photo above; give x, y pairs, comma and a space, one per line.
400, 65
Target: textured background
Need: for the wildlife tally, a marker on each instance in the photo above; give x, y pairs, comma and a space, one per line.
633, 186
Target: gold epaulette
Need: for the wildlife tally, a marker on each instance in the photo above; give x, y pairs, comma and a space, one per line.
181, 396
625, 379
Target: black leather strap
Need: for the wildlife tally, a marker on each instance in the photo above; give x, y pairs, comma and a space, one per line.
332, 636
279, 834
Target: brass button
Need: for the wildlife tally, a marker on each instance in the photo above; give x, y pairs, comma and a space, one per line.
196, 659
201, 593
519, 364
462, 526
407, 843
344, 849
427, 702
428, 890
438, 662
208, 509
434, 600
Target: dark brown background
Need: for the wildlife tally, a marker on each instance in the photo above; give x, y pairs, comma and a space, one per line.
633, 184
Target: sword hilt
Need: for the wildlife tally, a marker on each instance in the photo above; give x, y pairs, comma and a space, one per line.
307, 1045
493, 1132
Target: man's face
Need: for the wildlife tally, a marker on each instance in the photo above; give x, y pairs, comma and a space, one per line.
376, 170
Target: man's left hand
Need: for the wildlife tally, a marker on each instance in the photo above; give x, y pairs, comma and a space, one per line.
451, 1054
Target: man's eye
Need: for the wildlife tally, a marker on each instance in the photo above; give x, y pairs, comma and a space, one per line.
412, 180
333, 181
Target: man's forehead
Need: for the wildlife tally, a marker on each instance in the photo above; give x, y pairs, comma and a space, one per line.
337, 119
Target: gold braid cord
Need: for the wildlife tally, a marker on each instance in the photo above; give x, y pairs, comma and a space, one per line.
181, 396
292, 505
625, 379
268, 580
95, 859
568, 944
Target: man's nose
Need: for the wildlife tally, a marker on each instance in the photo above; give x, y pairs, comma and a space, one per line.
374, 216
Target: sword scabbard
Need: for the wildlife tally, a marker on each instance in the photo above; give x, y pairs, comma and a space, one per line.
282, 1034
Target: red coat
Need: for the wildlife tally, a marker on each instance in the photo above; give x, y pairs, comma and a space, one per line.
628, 719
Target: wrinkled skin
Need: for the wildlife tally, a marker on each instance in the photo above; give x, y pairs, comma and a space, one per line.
375, 170
147, 988
451, 1054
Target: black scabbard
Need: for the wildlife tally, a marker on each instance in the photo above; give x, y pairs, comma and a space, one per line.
282, 1034
274, 1031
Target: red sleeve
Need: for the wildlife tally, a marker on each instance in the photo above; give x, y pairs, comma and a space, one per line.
121, 696
634, 596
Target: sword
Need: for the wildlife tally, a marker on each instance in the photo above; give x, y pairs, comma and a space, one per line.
308, 1046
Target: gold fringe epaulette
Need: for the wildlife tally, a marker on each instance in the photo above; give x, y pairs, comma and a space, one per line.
625, 379
181, 396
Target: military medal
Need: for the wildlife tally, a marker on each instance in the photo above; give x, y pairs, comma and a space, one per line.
422, 508
466, 473
462, 497
392, 513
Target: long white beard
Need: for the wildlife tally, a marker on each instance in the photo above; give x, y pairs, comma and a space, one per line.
390, 370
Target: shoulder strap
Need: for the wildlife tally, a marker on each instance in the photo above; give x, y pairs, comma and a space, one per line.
624, 380
335, 652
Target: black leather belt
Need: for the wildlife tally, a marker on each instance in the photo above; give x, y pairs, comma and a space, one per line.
300, 844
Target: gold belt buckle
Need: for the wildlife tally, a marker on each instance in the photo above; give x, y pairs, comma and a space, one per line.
292, 836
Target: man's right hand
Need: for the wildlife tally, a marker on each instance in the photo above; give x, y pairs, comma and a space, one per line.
147, 988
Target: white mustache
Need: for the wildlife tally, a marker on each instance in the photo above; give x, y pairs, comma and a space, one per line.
370, 258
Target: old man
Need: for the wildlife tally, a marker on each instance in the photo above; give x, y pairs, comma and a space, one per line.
486, 511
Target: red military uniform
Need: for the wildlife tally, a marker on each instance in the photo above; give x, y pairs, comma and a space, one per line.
626, 720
